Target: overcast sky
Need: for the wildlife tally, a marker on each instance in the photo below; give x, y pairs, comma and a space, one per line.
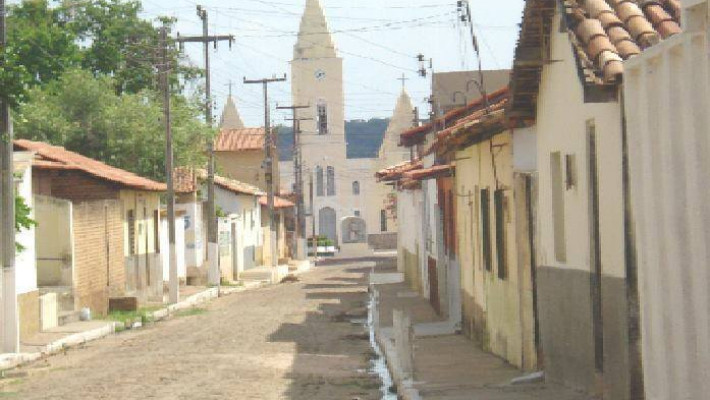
378, 40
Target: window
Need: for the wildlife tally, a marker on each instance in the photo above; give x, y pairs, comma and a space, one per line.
322, 119
357, 213
356, 188
131, 222
499, 199
156, 230
486, 228
558, 206
319, 182
331, 181
383, 220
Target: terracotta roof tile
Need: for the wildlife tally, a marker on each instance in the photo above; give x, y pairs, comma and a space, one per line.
245, 139
55, 157
436, 171
279, 202
610, 31
394, 172
411, 136
186, 182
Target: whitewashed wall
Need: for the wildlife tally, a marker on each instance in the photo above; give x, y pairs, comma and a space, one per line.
179, 244
25, 262
667, 104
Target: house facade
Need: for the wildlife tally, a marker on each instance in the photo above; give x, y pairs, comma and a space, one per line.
94, 213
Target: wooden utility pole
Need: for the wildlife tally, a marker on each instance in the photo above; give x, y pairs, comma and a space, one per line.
298, 172
174, 288
9, 316
206, 39
270, 144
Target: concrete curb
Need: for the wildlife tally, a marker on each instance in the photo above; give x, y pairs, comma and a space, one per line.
10, 361
385, 339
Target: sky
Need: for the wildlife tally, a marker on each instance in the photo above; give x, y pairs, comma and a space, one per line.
378, 40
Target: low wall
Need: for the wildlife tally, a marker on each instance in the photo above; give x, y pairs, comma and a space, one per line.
382, 241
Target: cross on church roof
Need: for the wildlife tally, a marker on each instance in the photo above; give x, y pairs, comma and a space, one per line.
404, 80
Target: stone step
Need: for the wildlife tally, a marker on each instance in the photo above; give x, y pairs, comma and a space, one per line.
68, 317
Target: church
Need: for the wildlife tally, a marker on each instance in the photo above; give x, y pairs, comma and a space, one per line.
343, 189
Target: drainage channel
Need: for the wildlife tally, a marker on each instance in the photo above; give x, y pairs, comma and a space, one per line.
379, 365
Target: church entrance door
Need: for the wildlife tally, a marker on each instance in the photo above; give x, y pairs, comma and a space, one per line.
327, 224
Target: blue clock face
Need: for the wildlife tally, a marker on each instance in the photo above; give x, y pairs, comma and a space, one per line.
320, 74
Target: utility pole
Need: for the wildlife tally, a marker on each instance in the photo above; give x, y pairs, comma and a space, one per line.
298, 171
214, 274
10, 323
174, 288
270, 144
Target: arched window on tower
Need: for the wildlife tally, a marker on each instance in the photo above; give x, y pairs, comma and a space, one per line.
319, 182
331, 181
322, 118
356, 188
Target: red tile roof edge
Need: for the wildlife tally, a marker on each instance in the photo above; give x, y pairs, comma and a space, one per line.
279, 202
435, 171
414, 133
59, 158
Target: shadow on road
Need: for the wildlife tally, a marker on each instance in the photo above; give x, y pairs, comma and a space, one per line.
332, 354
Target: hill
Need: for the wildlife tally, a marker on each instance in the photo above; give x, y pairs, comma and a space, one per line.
363, 138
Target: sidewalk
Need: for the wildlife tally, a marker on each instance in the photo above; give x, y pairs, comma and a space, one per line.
446, 366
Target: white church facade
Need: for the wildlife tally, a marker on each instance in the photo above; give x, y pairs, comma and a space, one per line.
344, 189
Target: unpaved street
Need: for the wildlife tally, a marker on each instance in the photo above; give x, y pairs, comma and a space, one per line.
289, 341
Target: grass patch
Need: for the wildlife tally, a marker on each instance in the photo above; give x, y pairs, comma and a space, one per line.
144, 315
227, 283
190, 312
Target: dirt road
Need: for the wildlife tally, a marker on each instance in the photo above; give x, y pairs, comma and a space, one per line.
289, 341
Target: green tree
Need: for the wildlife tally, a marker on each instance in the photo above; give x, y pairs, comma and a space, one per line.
84, 114
40, 37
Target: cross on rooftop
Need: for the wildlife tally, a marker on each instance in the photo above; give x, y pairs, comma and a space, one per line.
404, 80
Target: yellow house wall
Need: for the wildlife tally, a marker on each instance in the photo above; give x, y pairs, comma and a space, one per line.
491, 306
245, 166
144, 205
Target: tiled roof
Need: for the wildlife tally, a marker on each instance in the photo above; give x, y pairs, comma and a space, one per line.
466, 128
606, 32
185, 182
415, 135
245, 139
394, 172
279, 202
432, 172
55, 157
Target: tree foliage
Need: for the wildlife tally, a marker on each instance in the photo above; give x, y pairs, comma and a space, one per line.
23, 221
84, 114
84, 75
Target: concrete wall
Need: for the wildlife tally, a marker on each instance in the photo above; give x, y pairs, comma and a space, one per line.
179, 245
195, 240
144, 273
568, 296
409, 245
493, 307
55, 241
668, 155
26, 265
